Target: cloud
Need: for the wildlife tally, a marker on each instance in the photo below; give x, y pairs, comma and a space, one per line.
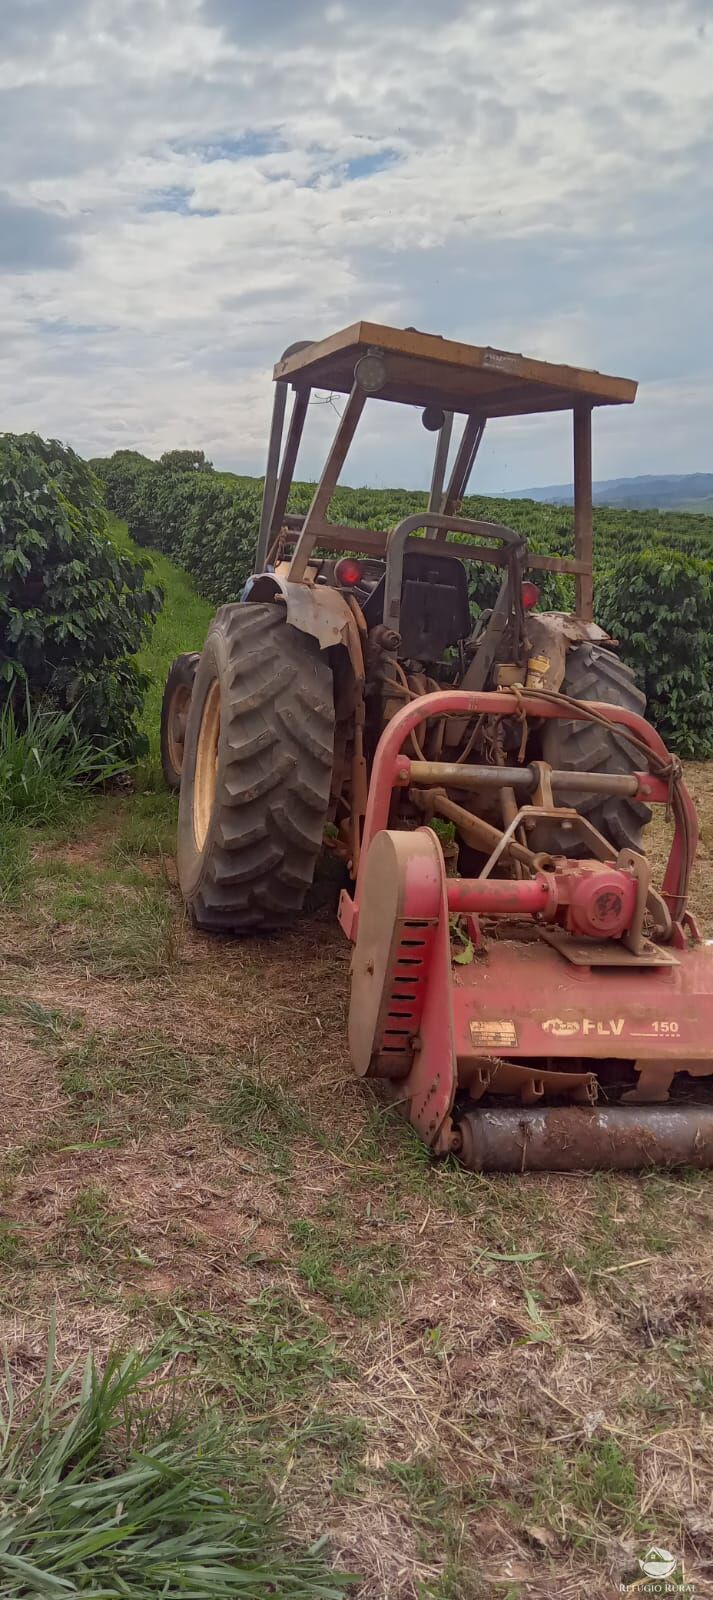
192, 184
32, 238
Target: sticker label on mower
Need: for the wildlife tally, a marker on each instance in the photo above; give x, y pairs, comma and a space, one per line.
494, 1035
565, 1028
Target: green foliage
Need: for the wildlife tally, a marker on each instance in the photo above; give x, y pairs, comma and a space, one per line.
108, 1489
122, 476
205, 524
361, 1278
218, 539
658, 604
73, 612
182, 624
208, 522
593, 1489
185, 461
41, 760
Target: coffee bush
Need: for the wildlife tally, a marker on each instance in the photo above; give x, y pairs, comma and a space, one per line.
73, 611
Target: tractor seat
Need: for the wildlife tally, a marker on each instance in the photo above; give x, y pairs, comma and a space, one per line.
435, 612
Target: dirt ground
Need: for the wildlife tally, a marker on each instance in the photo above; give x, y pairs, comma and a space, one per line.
472, 1386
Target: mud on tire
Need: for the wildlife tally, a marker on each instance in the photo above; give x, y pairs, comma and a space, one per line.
595, 674
257, 771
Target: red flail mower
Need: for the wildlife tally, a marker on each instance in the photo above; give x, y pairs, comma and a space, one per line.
551, 1038
528, 995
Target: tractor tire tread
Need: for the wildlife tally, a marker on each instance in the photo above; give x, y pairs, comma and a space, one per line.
181, 675
595, 673
277, 726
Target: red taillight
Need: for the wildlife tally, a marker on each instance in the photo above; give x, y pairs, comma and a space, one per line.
530, 594
348, 571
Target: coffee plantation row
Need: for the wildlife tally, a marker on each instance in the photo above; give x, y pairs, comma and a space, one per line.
74, 611
653, 570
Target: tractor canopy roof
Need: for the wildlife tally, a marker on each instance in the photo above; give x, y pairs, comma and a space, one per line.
424, 369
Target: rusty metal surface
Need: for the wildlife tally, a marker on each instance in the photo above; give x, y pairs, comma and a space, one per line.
372, 542
400, 1013
457, 702
470, 442
271, 509
530, 1084
583, 512
431, 1084
475, 830
295, 431
595, 903
518, 1020
427, 368
576, 630
320, 611
463, 775
484, 837
578, 1138
582, 953
440, 462
317, 510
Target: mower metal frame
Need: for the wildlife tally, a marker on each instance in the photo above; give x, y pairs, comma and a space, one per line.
392, 769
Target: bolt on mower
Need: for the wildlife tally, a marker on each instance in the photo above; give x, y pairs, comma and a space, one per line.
523, 987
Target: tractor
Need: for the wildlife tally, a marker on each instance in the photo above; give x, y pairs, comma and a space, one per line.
520, 985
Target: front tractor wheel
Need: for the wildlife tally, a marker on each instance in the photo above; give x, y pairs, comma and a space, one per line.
175, 707
257, 772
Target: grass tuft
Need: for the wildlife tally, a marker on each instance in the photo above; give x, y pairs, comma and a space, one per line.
147, 831
107, 1072
92, 1232
109, 1489
42, 759
14, 864
591, 1489
137, 937
359, 1278
273, 1357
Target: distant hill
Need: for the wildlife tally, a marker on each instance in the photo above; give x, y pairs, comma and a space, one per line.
688, 491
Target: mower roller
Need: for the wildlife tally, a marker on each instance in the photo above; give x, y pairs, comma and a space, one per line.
521, 986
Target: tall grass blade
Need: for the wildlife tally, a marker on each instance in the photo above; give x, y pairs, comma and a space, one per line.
42, 758
84, 1512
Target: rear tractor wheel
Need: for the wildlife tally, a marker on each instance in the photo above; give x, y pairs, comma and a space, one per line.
257, 772
592, 673
175, 707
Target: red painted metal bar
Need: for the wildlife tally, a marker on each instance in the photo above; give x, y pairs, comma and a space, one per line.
597, 905
504, 896
459, 702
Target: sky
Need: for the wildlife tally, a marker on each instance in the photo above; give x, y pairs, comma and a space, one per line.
187, 186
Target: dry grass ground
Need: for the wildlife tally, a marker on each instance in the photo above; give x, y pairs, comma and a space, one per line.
474, 1387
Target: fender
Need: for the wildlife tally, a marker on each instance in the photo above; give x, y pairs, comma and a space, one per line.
549, 635
322, 612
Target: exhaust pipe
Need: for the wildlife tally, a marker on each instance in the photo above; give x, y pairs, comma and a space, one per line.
586, 1139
